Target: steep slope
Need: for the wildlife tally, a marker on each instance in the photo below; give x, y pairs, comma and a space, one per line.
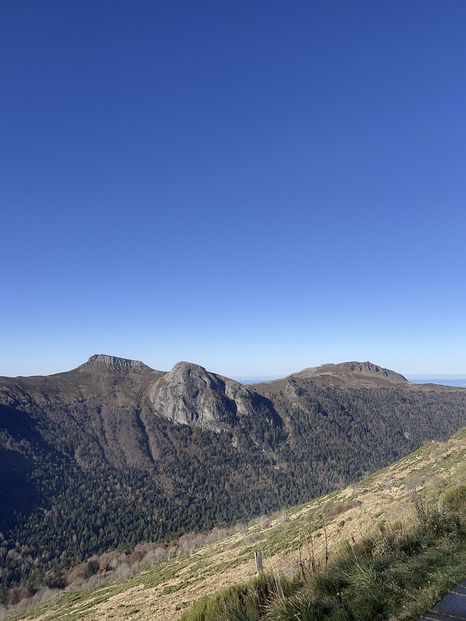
359, 412
163, 589
113, 453
90, 413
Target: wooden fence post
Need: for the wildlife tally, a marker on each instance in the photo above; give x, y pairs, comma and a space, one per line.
258, 559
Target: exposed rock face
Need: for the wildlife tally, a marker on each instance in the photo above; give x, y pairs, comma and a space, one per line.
114, 361
191, 395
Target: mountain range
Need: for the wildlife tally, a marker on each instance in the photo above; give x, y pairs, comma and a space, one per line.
114, 453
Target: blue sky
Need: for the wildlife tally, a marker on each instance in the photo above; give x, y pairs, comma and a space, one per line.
256, 186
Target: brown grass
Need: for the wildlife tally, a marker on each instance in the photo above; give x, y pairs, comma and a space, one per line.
346, 515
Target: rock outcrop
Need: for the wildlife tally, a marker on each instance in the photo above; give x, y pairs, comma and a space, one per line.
191, 395
114, 362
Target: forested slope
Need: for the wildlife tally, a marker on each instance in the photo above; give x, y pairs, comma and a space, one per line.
114, 453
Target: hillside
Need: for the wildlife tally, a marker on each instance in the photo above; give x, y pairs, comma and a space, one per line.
164, 589
114, 453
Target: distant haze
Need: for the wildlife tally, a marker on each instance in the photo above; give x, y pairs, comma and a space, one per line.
445, 381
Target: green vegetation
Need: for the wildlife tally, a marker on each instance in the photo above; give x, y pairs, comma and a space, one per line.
163, 579
454, 499
88, 469
397, 574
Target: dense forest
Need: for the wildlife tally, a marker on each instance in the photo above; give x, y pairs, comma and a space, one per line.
81, 475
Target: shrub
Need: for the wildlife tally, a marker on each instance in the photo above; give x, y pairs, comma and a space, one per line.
454, 499
91, 568
244, 602
433, 522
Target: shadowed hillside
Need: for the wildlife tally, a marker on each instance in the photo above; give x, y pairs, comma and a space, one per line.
113, 453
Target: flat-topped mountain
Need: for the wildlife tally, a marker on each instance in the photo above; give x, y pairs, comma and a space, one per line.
114, 362
113, 452
356, 373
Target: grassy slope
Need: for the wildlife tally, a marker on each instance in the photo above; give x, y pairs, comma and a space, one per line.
164, 590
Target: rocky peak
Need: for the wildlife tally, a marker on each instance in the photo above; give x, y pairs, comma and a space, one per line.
191, 395
194, 375
352, 370
114, 362
369, 367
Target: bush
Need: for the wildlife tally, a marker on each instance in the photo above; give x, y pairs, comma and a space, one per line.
91, 568
454, 499
433, 522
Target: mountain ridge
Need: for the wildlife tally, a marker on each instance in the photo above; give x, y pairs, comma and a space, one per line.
116, 452
117, 362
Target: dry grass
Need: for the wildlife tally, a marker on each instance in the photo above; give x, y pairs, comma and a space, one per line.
164, 590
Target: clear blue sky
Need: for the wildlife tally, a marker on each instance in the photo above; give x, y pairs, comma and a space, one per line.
257, 186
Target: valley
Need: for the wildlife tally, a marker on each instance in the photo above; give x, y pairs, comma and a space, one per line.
165, 589
114, 454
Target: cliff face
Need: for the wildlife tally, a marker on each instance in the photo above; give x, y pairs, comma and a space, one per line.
191, 395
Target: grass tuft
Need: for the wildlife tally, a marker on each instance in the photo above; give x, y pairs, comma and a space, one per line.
398, 573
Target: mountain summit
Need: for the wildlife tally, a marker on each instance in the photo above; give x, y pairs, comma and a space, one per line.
114, 362
353, 372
